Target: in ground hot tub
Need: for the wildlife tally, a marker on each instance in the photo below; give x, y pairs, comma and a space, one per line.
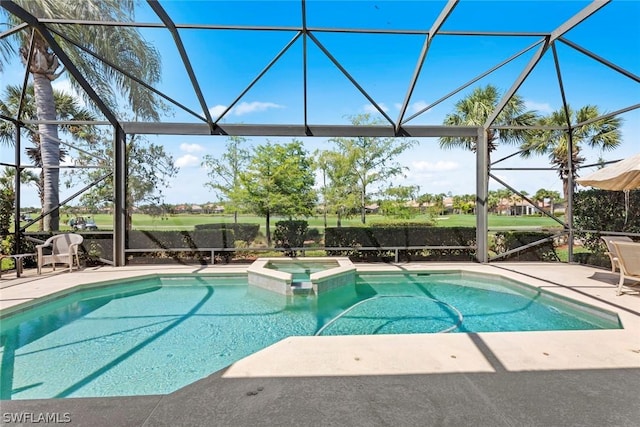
287, 276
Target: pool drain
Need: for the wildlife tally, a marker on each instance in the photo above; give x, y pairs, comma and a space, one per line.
447, 305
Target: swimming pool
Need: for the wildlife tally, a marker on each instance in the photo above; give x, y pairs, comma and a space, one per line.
157, 334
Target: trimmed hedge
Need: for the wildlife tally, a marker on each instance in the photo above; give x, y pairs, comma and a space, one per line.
290, 234
97, 246
402, 236
508, 240
180, 239
399, 236
245, 232
195, 240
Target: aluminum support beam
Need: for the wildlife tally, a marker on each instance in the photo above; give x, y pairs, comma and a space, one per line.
601, 60
168, 22
305, 67
140, 128
569, 210
129, 75
120, 197
16, 216
258, 77
21, 13
470, 82
558, 32
349, 77
444, 14
482, 195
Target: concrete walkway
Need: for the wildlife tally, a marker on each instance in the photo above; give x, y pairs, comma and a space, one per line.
559, 378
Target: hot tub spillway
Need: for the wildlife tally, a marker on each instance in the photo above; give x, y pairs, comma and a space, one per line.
304, 287
321, 274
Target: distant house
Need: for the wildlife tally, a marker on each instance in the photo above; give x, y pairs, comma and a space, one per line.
210, 208
373, 208
197, 209
447, 203
515, 207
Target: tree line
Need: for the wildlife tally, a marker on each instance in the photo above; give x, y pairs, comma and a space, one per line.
279, 179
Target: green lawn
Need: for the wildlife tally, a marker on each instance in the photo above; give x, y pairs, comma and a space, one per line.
498, 221
188, 221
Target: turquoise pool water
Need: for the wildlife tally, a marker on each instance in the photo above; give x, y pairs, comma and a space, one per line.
155, 335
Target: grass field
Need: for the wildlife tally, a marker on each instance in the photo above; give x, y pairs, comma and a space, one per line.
189, 221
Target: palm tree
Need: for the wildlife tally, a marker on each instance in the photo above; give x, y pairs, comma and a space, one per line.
67, 108
603, 134
120, 45
475, 109
544, 194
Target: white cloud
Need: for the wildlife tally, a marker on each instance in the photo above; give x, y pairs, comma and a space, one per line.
419, 106
414, 107
191, 148
65, 87
541, 107
439, 166
244, 108
217, 110
187, 160
253, 107
369, 108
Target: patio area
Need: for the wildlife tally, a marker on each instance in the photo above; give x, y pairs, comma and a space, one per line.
579, 378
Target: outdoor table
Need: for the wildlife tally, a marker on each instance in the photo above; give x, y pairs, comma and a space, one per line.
18, 260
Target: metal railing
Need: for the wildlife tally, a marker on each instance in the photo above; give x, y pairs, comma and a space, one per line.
302, 250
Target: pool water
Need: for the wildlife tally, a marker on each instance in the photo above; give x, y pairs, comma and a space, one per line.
155, 335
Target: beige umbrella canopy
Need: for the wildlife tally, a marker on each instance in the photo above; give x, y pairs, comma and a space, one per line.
620, 176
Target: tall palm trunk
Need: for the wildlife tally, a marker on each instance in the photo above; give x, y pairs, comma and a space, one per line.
49, 148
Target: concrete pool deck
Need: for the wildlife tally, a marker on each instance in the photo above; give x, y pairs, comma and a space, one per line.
581, 378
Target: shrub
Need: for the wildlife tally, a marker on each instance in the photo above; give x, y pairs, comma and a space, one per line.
290, 234
313, 234
180, 239
97, 245
605, 211
245, 232
401, 236
6, 209
508, 240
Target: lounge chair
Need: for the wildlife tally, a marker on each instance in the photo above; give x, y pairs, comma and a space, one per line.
611, 250
64, 247
629, 262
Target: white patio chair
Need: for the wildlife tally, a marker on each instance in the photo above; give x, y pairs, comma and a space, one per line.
629, 262
64, 247
611, 250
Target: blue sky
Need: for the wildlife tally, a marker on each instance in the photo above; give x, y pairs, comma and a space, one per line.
225, 62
